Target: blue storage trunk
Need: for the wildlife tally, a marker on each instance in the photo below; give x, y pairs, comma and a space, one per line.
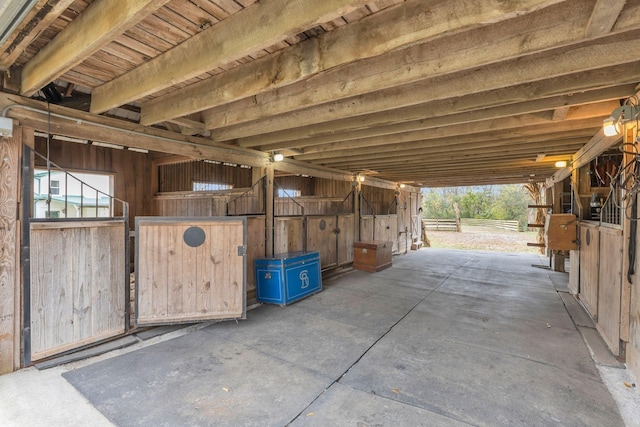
288, 277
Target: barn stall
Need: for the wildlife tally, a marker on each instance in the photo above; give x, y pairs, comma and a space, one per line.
426, 104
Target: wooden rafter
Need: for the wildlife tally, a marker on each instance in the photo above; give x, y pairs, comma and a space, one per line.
616, 50
604, 16
82, 37
33, 26
402, 25
257, 27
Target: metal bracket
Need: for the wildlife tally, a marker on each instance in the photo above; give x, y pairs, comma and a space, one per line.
242, 250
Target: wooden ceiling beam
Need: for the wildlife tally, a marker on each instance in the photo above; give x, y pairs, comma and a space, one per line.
82, 37
468, 159
536, 146
604, 16
477, 142
522, 127
473, 107
256, 27
304, 111
484, 120
31, 28
407, 23
512, 81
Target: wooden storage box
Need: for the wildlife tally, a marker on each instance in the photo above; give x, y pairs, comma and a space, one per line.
373, 255
560, 232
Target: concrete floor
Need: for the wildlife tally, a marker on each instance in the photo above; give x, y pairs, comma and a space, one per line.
442, 338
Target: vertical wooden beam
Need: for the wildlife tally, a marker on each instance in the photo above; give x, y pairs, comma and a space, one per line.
269, 211
9, 256
625, 296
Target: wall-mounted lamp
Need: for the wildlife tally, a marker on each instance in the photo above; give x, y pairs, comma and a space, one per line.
278, 157
6, 127
361, 178
612, 125
561, 164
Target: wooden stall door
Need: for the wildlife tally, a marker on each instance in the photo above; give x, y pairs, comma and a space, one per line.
610, 287
322, 237
386, 228
589, 247
189, 269
346, 238
78, 284
367, 224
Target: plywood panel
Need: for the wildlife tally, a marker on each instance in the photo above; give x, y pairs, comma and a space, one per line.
346, 238
78, 284
178, 282
610, 287
321, 237
289, 234
9, 259
589, 246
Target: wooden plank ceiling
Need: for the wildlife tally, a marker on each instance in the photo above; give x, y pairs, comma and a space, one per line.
428, 92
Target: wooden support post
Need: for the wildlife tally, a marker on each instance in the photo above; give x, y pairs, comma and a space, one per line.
356, 210
9, 255
557, 261
269, 211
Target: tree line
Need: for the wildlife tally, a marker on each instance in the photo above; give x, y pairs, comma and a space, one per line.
505, 202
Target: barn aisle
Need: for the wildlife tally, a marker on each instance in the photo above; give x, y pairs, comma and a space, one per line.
443, 337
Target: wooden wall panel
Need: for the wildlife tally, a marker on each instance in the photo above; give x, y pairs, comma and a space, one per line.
291, 182
367, 225
610, 287
331, 188
9, 255
77, 284
181, 176
289, 235
179, 283
589, 253
255, 249
346, 238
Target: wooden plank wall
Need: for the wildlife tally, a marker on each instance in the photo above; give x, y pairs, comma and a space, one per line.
179, 283
589, 252
346, 238
610, 287
289, 234
77, 284
193, 203
181, 176
9, 254
291, 182
255, 249
379, 199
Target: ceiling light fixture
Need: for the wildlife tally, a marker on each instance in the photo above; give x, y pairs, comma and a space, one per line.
561, 164
612, 125
278, 157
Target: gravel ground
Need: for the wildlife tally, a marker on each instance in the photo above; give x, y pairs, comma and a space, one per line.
484, 239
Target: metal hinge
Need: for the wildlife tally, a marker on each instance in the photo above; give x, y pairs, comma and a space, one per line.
242, 250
